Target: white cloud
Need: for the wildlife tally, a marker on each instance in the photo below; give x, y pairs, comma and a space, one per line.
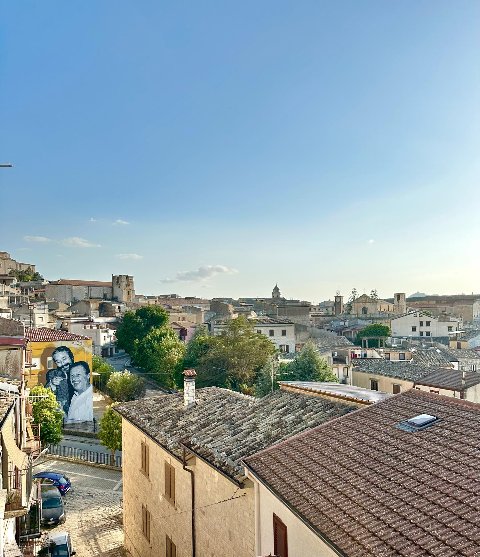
371, 241
92, 219
133, 256
39, 239
203, 273
76, 242
121, 221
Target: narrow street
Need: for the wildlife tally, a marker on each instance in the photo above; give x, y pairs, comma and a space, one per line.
93, 508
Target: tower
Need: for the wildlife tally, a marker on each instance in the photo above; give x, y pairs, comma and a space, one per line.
123, 288
338, 307
276, 292
400, 303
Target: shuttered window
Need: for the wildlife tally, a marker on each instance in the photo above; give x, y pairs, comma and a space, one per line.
280, 545
170, 483
170, 548
145, 459
146, 522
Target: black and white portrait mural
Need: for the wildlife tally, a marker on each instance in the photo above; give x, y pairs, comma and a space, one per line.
70, 381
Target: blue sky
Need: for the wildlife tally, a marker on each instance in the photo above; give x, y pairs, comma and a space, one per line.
216, 148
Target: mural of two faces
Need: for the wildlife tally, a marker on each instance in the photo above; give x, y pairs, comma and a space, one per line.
70, 381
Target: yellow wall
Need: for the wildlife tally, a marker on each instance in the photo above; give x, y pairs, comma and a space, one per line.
42, 351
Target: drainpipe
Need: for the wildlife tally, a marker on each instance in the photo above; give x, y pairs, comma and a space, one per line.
192, 478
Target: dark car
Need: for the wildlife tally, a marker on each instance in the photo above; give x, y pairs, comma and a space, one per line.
58, 480
53, 510
60, 545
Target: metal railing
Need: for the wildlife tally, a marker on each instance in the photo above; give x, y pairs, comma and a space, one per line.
86, 455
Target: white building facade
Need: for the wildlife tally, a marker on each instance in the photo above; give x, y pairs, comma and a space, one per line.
421, 325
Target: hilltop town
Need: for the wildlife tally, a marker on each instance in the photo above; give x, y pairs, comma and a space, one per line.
205, 443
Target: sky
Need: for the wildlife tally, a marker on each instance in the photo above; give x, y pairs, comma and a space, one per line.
217, 148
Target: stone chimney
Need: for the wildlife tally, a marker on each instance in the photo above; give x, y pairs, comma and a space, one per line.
189, 387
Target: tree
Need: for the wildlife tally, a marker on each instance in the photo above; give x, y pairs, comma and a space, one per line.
26, 275
308, 365
161, 352
353, 297
104, 370
152, 344
46, 412
124, 386
137, 324
374, 330
374, 294
267, 379
232, 359
110, 431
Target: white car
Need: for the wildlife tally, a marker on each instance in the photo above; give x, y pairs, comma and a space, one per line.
60, 544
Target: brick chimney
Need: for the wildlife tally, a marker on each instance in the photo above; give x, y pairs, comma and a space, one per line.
189, 387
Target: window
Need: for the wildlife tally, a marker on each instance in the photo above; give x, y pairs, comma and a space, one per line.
146, 522
396, 389
421, 323
427, 333
259, 331
170, 483
450, 329
435, 391
280, 543
427, 323
373, 385
401, 356
271, 332
459, 345
387, 355
170, 548
421, 333
364, 311
345, 371
414, 328
284, 332
145, 467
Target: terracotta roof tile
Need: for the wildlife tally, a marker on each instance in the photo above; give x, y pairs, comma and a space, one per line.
376, 490
43, 334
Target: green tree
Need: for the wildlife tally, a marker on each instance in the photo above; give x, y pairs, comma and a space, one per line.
137, 324
104, 370
235, 357
152, 344
160, 353
46, 412
110, 431
124, 386
353, 297
308, 365
374, 330
26, 275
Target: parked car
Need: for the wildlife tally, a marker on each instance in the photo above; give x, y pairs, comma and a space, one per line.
60, 545
53, 509
56, 478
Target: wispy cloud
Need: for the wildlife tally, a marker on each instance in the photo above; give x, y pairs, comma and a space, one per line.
133, 256
371, 241
201, 274
76, 242
121, 221
93, 219
38, 239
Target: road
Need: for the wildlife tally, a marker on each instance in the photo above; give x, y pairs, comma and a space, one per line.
93, 508
122, 361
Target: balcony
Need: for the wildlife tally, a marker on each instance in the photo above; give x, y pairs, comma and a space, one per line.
32, 445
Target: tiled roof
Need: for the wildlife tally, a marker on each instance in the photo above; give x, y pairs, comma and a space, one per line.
375, 490
328, 340
401, 370
339, 390
223, 426
450, 379
43, 334
68, 282
430, 357
457, 354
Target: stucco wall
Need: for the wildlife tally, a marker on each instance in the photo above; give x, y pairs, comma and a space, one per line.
472, 394
385, 384
302, 542
224, 514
